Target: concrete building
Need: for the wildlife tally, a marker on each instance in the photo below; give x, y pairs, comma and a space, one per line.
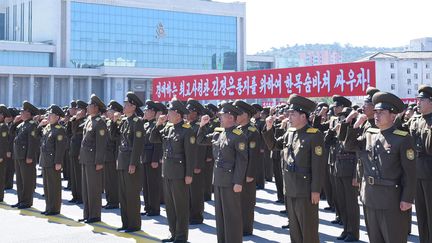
402, 73
258, 62
58, 50
421, 44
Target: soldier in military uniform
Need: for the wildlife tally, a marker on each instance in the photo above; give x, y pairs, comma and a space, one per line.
177, 139
25, 146
76, 125
129, 164
230, 151
356, 126
92, 158
303, 166
110, 173
421, 131
150, 157
212, 111
52, 155
248, 194
389, 176
259, 123
345, 173
4, 148
10, 166
195, 109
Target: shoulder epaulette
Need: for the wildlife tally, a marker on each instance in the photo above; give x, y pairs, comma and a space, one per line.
186, 125
135, 119
169, 124
292, 129
32, 122
219, 129
373, 130
98, 119
124, 118
237, 131
312, 130
400, 133
252, 128
58, 126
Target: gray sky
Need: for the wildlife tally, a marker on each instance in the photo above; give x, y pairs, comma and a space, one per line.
380, 23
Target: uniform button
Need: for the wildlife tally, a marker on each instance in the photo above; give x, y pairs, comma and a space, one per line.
377, 146
373, 168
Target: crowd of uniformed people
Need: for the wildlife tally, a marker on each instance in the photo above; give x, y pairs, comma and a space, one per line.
182, 153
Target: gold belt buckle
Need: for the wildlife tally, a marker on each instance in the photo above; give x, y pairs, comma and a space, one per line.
371, 180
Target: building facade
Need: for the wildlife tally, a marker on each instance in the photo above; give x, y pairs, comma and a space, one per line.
58, 50
401, 73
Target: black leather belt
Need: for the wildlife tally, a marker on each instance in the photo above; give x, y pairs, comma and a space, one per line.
382, 182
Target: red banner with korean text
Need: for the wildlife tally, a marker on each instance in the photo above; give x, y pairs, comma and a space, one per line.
348, 79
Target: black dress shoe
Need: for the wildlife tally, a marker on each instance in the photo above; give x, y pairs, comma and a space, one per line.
336, 221
247, 233
122, 228
92, 220
280, 201
21, 206
132, 230
52, 213
79, 202
342, 236
111, 206
193, 222
15, 205
73, 200
82, 220
259, 187
350, 238
151, 214
328, 208
283, 212
43, 212
143, 213
8, 188
169, 239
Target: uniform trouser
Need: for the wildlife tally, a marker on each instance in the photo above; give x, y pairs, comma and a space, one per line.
197, 198
334, 192
2, 179
248, 200
10, 171
260, 172
387, 225
277, 170
91, 191
423, 203
152, 183
303, 220
76, 178
66, 167
177, 207
327, 186
52, 189
208, 179
229, 225
348, 204
26, 181
268, 164
130, 202
111, 183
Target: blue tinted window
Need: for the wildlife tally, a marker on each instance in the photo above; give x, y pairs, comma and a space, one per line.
26, 59
122, 36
